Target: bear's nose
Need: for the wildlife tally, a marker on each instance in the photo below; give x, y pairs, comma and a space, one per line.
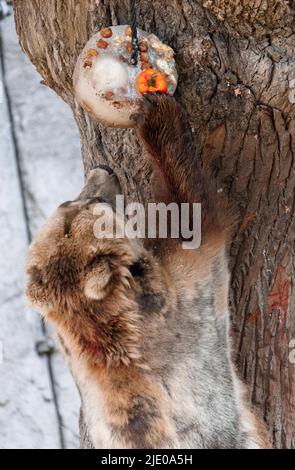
65, 204
101, 183
107, 168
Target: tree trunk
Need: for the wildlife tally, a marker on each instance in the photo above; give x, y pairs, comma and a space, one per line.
237, 80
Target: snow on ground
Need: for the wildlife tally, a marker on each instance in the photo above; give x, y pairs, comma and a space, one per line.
40, 167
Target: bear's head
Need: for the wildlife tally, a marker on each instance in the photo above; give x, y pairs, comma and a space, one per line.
94, 289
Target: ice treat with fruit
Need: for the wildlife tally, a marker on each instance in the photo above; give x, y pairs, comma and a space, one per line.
109, 87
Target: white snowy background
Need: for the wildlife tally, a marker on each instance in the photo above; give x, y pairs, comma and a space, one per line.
40, 167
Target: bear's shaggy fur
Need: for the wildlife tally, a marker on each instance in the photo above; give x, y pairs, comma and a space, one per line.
144, 324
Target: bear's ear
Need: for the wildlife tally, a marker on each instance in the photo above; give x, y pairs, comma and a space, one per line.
98, 278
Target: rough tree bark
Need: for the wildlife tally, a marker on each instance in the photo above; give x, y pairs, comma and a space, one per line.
237, 80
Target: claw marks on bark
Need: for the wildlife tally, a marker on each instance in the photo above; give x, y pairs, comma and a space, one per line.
278, 303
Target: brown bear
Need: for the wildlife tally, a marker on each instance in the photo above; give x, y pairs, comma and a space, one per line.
144, 323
